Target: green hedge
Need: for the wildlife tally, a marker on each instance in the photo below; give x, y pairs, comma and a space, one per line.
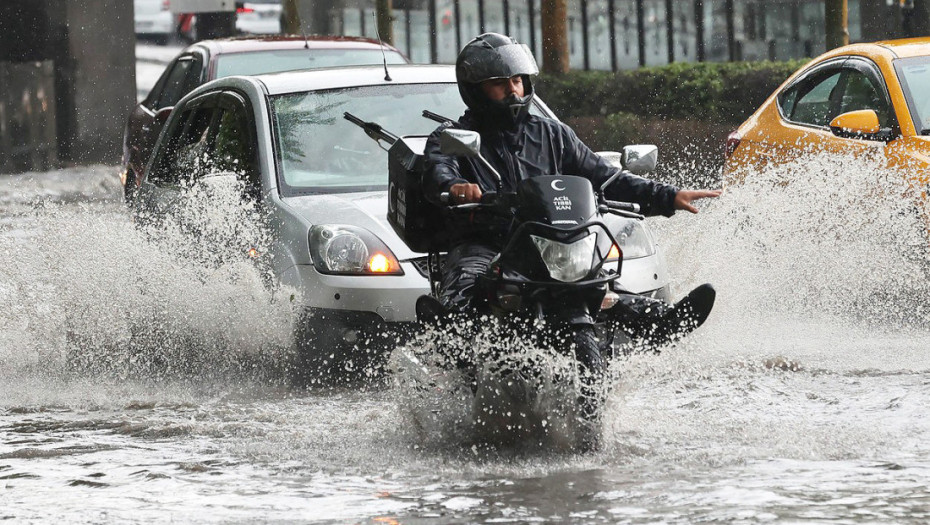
717, 92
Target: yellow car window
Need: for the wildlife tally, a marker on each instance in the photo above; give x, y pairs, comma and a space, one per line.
861, 93
814, 106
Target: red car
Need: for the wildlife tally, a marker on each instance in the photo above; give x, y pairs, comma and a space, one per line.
211, 59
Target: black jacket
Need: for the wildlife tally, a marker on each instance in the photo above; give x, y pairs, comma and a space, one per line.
538, 146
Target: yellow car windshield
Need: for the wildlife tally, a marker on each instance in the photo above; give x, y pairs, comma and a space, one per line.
914, 75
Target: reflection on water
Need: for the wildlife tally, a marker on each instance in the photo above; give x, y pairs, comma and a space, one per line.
802, 398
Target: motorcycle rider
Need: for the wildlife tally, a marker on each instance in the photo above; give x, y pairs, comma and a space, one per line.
495, 79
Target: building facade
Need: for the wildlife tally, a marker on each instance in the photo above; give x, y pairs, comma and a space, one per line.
620, 34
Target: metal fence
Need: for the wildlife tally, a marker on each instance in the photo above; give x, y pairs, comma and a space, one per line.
613, 34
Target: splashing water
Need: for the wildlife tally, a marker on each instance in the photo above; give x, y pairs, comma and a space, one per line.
499, 386
801, 399
821, 275
87, 288
823, 236
818, 264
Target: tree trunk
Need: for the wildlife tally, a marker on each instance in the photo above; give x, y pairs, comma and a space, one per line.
385, 29
836, 21
218, 24
554, 15
290, 18
876, 20
917, 19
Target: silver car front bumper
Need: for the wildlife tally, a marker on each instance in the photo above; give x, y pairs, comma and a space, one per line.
392, 297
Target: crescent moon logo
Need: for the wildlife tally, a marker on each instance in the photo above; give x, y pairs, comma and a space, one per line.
391, 195
555, 185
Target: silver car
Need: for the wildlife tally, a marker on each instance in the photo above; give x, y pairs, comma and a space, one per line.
320, 184
153, 18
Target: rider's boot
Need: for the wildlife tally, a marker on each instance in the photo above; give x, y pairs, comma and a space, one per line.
657, 322
431, 312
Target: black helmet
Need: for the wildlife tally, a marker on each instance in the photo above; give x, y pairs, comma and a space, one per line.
491, 56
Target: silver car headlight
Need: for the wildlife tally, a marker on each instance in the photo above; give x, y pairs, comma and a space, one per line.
350, 250
634, 240
567, 262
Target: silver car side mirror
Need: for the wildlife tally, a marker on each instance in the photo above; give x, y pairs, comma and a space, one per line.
219, 182
219, 178
460, 142
641, 158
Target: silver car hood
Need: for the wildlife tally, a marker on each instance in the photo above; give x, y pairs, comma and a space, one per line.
367, 210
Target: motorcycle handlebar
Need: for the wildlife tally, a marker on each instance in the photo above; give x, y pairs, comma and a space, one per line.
487, 199
629, 209
624, 206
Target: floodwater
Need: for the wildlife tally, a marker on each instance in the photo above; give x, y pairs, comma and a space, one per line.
137, 385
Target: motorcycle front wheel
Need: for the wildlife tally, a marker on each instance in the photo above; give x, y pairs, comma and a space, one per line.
592, 370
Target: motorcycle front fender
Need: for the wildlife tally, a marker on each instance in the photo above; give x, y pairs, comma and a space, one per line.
573, 315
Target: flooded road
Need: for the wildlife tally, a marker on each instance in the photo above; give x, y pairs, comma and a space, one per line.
802, 399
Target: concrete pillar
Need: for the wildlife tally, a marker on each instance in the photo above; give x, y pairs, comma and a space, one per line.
95, 67
91, 46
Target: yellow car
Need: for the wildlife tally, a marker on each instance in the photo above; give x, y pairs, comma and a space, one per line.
857, 99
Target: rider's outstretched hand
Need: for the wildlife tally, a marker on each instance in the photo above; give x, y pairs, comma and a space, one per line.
684, 198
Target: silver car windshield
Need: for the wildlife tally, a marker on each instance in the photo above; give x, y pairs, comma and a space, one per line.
319, 151
260, 62
914, 75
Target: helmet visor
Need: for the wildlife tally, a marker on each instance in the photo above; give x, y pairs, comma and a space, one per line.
503, 62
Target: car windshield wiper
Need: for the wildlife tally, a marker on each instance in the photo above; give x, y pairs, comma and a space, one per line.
373, 130
437, 117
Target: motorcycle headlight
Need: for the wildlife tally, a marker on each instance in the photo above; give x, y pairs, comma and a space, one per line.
567, 262
344, 249
635, 241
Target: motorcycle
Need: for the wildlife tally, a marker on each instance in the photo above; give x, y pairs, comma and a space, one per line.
553, 282
553, 276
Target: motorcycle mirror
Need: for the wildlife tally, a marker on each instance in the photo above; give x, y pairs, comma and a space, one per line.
640, 158
614, 158
460, 142
465, 143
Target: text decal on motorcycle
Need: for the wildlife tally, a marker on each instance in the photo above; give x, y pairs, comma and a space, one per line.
562, 202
